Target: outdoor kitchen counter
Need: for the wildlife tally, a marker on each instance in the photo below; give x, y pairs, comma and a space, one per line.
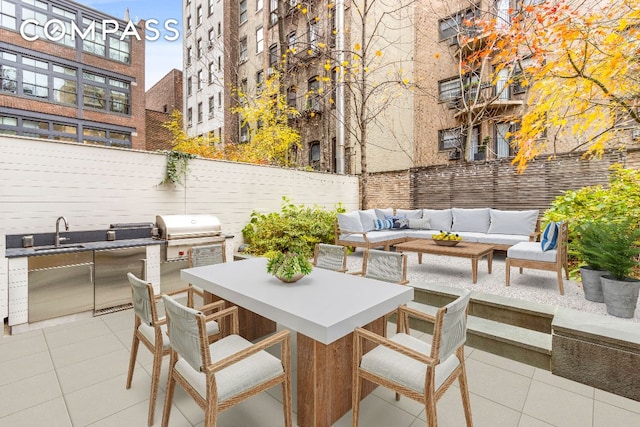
81, 247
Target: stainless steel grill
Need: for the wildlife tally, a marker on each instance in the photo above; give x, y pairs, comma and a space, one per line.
182, 232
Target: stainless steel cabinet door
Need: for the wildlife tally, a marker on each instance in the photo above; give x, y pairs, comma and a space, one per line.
111, 267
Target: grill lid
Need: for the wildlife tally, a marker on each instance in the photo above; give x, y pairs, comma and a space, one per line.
172, 227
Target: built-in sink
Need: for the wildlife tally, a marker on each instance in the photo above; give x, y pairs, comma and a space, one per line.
57, 248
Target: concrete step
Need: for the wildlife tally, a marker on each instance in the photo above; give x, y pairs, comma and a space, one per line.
511, 328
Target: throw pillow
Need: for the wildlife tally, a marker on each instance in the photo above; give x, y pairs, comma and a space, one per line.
409, 213
382, 224
420, 223
550, 237
399, 221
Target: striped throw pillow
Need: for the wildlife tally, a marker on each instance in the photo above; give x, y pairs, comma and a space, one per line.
550, 237
382, 224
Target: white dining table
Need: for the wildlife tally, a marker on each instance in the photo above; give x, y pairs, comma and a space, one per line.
324, 308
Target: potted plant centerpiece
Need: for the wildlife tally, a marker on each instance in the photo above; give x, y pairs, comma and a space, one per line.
616, 250
288, 266
587, 246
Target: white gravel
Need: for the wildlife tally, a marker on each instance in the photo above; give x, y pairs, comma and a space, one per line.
533, 285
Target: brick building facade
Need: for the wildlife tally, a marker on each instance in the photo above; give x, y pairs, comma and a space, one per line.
87, 91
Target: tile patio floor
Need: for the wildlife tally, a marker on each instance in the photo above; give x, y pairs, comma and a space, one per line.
74, 375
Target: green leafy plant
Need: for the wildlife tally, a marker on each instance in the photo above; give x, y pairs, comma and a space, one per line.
288, 264
612, 246
177, 167
296, 228
618, 202
588, 238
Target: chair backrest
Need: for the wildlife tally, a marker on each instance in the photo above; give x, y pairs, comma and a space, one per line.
143, 300
384, 265
450, 331
563, 234
185, 335
330, 257
207, 255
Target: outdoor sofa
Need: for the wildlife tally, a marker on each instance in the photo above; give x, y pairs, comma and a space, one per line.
371, 228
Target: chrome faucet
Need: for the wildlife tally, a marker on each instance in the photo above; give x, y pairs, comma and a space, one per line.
66, 227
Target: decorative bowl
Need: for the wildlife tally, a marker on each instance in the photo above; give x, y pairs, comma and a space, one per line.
446, 242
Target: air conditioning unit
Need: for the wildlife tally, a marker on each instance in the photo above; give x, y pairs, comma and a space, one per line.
635, 134
454, 155
244, 138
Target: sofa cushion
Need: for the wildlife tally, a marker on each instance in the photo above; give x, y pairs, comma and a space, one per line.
470, 236
409, 213
399, 221
474, 220
385, 235
420, 234
502, 239
531, 251
367, 218
383, 213
419, 223
350, 221
440, 218
513, 222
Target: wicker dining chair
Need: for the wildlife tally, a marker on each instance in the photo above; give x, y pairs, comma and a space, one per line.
412, 367
150, 329
330, 257
229, 371
384, 265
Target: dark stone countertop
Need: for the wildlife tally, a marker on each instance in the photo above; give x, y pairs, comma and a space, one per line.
80, 247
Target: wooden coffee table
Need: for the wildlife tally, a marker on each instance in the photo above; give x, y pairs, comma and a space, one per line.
475, 251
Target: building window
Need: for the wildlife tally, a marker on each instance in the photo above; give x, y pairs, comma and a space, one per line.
112, 138
291, 42
8, 73
292, 97
219, 28
211, 72
189, 83
243, 11
210, 37
474, 143
259, 4
189, 24
220, 99
219, 63
210, 7
312, 34
199, 48
189, 117
200, 112
449, 138
313, 98
259, 81
273, 55
7, 15
314, 155
243, 49
189, 55
273, 12
200, 79
211, 106
449, 90
102, 93
199, 16
502, 138
450, 27
244, 132
259, 40
35, 84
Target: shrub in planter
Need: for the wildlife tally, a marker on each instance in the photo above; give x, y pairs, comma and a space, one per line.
615, 249
587, 239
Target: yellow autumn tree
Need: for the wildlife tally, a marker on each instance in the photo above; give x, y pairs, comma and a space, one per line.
203, 146
267, 115
582, 73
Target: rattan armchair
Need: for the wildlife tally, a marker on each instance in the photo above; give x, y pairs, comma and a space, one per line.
150, 329
229, 371
330, 257
412, 367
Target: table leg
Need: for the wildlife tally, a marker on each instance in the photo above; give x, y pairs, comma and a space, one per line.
474, 269
325, 378
252, 326
419, 257
489, 261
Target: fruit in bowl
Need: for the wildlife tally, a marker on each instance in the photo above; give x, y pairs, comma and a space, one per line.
446, 238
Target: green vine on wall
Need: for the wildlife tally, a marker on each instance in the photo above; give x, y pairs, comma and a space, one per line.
177, 167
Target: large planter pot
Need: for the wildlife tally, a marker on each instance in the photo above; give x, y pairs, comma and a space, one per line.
591, 283
620, 296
